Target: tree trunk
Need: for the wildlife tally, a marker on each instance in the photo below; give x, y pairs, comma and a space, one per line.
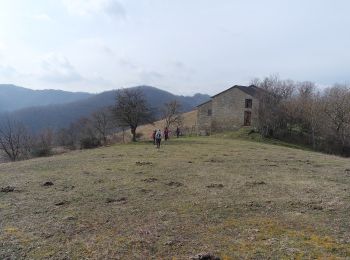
313, 138
133, 132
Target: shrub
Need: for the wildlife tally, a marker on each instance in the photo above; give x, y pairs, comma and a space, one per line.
89, 143
139, 135
41, 151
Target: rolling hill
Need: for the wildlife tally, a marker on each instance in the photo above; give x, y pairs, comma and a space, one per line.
13, 97
61, 115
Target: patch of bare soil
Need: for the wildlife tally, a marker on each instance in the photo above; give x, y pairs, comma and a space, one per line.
174, 184
254, 183
68, 188
269, 165
304, 206
254, 205
150, 180
62, 203
205, 256
47, 184
215, 185
145, 191
215, 160
144, 163
111, 200
8, 189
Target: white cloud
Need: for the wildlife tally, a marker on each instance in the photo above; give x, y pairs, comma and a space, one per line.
42, 18
57, 68
127, 64
2, 46
97, 45
7, 72
92, 7
150, 77
2, 51
181, 70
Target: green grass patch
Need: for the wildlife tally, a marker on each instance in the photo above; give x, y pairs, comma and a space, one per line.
250, 134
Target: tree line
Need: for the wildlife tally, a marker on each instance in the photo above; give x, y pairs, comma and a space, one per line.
296, 112
299, 112
130, 111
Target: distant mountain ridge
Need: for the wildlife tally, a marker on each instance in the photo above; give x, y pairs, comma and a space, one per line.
14, 97
58, 116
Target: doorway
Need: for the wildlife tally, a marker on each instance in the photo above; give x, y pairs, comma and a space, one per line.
247, 118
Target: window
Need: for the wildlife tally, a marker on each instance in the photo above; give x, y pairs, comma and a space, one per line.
209, 112
248, 103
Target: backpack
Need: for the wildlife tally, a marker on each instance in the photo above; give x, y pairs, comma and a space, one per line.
158, 135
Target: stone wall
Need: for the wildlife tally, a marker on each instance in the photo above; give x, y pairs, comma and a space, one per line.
204, 118
227, 110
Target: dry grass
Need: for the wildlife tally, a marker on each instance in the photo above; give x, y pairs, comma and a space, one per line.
234, 198
189, 120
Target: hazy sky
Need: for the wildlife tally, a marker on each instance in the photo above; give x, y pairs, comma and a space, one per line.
183, 46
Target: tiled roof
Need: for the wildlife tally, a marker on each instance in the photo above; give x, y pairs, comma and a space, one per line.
204, 103
251, 90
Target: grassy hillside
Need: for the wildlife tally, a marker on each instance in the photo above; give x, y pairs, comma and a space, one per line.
189, 120
233, 198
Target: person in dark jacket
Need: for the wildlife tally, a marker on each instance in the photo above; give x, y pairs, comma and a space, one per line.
154, 136
177, 132
158, 138
166, 134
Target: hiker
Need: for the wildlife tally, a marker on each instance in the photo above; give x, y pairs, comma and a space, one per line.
154, 136
166, 133
177, 132
158, 138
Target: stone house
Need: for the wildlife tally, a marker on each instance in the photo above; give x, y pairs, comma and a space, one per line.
228, 110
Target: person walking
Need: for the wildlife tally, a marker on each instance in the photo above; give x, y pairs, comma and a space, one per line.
166, 134
154, 136
177, 132
158, 138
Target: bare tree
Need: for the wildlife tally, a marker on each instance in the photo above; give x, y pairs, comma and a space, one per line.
43, 143
308, 110
87, 135
67, 137
272, 109
14, 140
336, 102
171, 113
297, 112
79, 134
102, 122
132, 109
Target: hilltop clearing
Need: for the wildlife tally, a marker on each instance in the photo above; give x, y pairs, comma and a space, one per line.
189, 121
231, 198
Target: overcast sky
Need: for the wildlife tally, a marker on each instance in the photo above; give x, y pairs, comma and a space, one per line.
183, 46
